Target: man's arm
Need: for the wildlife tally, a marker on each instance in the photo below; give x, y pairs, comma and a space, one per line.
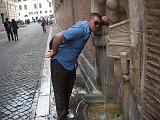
57, 40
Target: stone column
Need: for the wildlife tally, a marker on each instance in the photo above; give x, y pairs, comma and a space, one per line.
104, 64
100, 42
98, 6
136, 14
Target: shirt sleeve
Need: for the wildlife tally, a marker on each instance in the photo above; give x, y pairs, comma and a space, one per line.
73, 33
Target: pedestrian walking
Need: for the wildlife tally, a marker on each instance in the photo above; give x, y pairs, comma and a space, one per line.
66, 48
43, 24
8, 26
15, 29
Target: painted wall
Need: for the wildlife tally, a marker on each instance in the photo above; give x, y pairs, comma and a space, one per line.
31, 12
7, 9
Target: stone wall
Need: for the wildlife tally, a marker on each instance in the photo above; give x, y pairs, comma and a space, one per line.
151, 94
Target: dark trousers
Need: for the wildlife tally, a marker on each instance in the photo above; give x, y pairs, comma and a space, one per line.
63, 81
8, 34
15, 32
44, 28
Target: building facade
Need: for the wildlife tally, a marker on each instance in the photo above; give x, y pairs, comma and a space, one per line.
8, 9
34, 9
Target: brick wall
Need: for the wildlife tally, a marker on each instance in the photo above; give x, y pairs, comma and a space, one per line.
64, 14
151, 98
81, 9
70, 11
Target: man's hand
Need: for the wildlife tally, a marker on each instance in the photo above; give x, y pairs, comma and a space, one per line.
49, 54
105, 20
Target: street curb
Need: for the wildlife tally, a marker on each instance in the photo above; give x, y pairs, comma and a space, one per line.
42, 110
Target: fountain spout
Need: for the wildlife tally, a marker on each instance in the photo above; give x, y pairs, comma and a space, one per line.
119, 48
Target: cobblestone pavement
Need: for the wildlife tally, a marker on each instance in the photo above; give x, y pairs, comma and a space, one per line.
21, 64
20, 71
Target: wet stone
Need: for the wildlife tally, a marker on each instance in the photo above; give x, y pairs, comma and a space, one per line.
4, 117
15, 117
7, 112
3, 110
14, 104
24, 117
12, 109
19, 103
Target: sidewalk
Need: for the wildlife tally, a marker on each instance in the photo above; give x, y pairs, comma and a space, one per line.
46, 109
3, 35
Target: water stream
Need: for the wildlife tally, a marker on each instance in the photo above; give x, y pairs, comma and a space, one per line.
105, 110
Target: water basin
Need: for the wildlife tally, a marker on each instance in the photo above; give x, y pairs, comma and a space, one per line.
104, 111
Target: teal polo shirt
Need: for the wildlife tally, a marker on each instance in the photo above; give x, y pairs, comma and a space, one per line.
75, 39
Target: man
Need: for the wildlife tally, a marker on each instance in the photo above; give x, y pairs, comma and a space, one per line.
43, 24
7, 25
66, 47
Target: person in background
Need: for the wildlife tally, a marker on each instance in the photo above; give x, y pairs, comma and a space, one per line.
64, 52
15, 29
8, 26
43, 24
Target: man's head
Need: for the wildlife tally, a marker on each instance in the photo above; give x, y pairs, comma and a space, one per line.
6, 19
94, 21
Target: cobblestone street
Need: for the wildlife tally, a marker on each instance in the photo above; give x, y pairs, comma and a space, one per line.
20, 66
23, 82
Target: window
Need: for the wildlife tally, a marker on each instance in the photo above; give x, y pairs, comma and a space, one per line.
40, 12
50, 4
25, 7
40, 5
19, 0
19, 14
50, 11
30, 13
46, 11
24, 0
35, 6
20, 7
